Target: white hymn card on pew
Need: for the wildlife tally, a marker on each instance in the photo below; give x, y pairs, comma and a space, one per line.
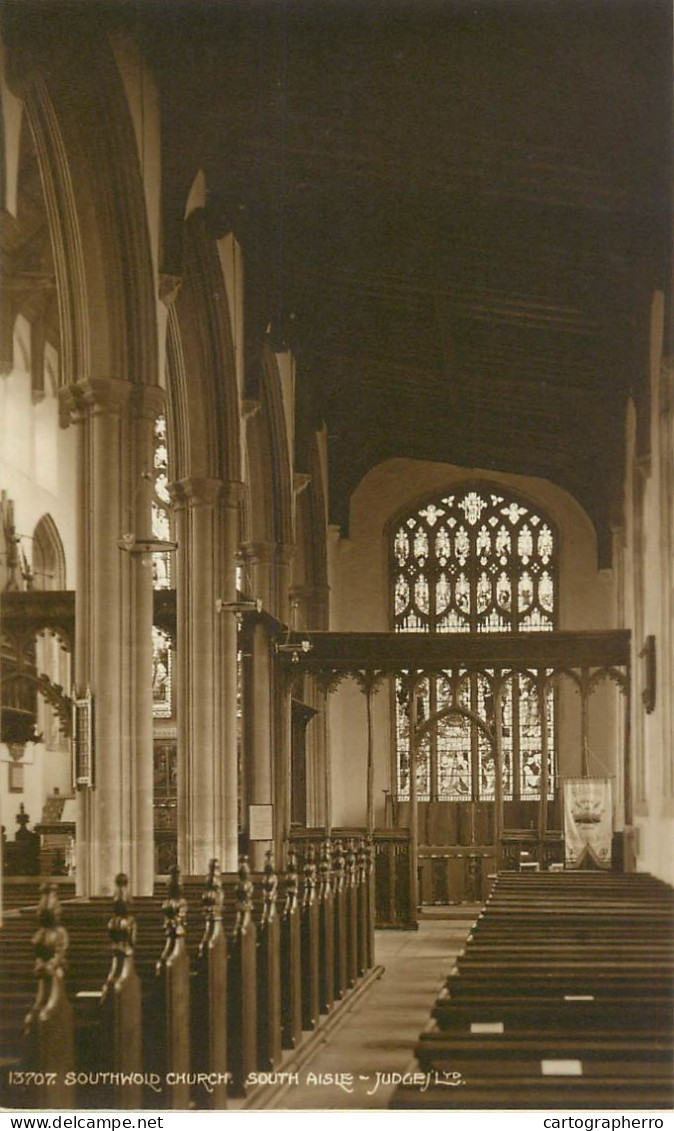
561, 1068
89, 993
486, 1027
578, 997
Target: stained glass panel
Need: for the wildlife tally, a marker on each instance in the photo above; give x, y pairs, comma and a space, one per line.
454, 758
161, 572
403, 743
530, 739
161, 674
161, 502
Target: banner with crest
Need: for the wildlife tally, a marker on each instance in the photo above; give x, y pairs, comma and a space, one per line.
588, 822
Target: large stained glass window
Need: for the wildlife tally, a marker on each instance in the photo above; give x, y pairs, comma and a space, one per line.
477, 559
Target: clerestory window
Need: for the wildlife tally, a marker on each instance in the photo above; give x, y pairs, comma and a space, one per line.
477, 559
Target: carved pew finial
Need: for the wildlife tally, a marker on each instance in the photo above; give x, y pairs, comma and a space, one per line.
269, 887
244, 896
362, 861
325, 869
122, 924
310, 875
211, 902
49, 1030
292, 884
50, 941
120, 1022
174, 910
339, 864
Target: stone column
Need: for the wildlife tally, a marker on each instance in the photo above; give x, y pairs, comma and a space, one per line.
113, 650
258, 722
310, 604
499, 686
414, 807
228, 648
543, 801
261, 558
201, 820
281, 607
584, 723
315, 756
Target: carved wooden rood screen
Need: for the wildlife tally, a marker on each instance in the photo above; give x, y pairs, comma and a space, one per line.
540, 662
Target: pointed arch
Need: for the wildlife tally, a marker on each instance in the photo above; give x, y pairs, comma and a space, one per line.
49, 560
310, 572
92, 183
268, 448
201, 369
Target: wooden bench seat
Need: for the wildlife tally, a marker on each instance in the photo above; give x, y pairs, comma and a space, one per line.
552, 985
627, 1014
599, 1054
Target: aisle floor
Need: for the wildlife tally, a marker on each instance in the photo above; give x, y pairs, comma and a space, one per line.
378, 1035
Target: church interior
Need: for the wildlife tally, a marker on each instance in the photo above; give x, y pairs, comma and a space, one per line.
336, 543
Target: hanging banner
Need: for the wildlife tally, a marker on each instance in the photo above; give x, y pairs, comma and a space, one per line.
588, 821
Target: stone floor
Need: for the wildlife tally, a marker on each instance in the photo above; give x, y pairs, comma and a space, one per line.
377, 1036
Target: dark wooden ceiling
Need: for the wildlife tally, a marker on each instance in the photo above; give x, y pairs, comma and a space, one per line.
455, 213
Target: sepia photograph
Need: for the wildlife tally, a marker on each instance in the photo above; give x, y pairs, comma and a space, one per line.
336, 562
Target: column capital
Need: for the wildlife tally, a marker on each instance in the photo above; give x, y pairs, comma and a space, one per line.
284, 552
260, 551
112, 395
169, 286
102, 394
195, 491
233, 492
148, 400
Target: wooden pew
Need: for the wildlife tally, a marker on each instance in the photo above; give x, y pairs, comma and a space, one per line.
523, 1052
242, 987
119, 1022
49, 1028
309, 935
581, 1013
561, 997
363, 908
340, 920
291, 960
166, 1017
269, 975
326, 929
208, 998
351, 885
189, 980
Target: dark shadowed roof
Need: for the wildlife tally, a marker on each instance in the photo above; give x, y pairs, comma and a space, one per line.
455, 213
